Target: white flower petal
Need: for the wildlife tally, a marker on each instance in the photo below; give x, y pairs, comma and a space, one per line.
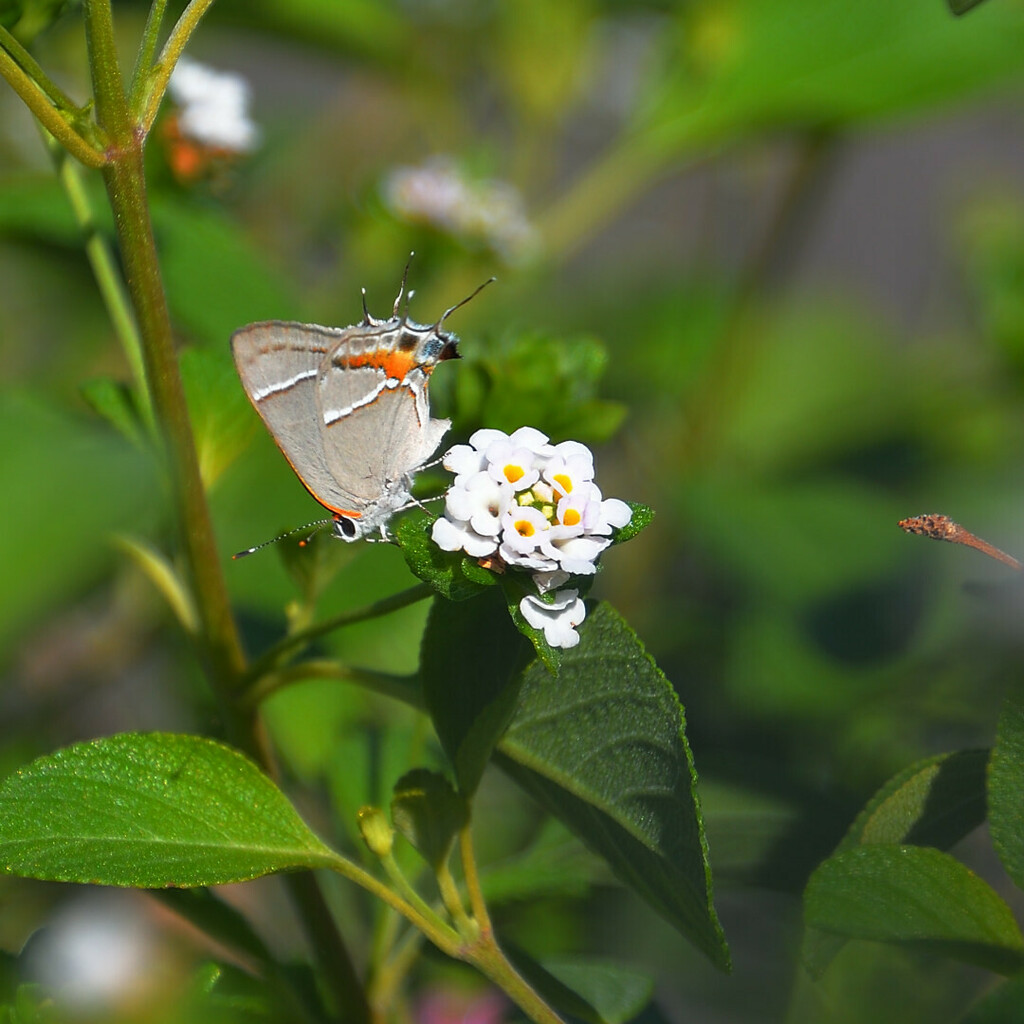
557, 619
449, 536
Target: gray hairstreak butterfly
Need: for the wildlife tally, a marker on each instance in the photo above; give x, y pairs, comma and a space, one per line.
348, 407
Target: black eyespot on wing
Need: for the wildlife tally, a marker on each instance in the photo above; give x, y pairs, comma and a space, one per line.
345, 526
407, 342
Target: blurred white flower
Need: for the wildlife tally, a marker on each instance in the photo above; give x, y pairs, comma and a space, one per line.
213, 107
439, 194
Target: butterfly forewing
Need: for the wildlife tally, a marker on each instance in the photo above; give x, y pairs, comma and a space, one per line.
278, 364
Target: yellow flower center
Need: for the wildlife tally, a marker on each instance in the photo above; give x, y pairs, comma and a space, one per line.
513, 473
524, 528
564, 481
571, 517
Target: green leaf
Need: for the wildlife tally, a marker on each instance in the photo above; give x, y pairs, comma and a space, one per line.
914, 895
602, 746
750, 65
515, 587
222, 420
1002, 1005
429, 813
1006, 787
150, 810
470, 661
112, 400
616, 992
935, 802
451, 574
546, 381
555, 863
51, 455
159, 571
959, 7
643, 516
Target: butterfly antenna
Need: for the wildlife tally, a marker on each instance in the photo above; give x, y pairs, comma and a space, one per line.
318, 525
451, 309
401, 290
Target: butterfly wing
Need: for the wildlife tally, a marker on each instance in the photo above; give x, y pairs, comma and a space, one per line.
278, 364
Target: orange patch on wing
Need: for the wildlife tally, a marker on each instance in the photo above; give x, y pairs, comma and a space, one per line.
395, 364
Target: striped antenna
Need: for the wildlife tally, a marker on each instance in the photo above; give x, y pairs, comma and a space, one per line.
317, 527
472, 295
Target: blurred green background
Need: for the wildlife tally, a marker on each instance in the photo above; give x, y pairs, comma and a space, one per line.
767, 256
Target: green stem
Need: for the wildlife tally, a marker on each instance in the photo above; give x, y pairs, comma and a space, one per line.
147, 47
31, 67
270, 657
147, 103
403, 688
452, 901
108, 277
47, 114
472, 877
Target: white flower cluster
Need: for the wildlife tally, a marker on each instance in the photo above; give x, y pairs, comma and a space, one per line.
532, 505
214, 107
439, 194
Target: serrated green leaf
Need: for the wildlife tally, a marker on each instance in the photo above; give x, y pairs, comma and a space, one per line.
470, 661
150, 810
1006, 787
451, 574
915, 895
429, 813
602, 746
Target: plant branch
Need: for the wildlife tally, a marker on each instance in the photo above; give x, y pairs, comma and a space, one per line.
47, 114
32, 68
147, 47
149, 98
108, 277
403, 688
267, 661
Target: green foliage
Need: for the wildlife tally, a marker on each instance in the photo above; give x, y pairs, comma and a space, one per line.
916, 895
150, 810
601, 745
1005, 786
779, 433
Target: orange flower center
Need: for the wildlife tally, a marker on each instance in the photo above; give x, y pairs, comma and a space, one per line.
564, 482
571, 517
525, 528
513, 473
